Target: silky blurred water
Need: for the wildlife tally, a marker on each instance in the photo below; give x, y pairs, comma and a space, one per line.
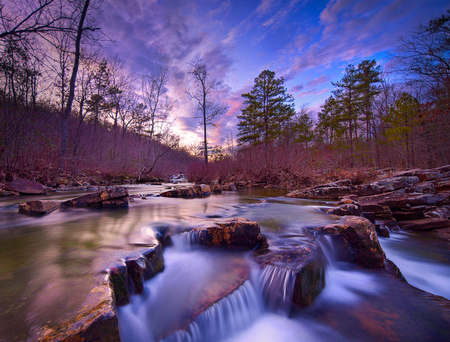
50, 263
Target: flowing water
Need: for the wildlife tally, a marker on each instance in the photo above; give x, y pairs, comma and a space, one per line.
50, 263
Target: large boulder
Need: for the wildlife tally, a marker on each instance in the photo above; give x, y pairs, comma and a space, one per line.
97, 198
236, 232
360, 238
26, 187
305, 259
39, 207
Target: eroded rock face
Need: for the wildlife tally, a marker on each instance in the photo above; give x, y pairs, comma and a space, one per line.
360, 238
116, 196
26, 187
39, 207
130, 277
305, 259
237, 232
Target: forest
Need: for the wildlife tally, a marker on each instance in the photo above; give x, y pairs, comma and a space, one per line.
68, 108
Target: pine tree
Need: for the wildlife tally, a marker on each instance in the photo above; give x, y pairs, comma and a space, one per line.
348, 97
268, 107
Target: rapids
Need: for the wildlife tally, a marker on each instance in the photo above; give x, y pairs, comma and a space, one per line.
50, 263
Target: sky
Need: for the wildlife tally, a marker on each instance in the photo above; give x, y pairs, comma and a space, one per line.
307, 42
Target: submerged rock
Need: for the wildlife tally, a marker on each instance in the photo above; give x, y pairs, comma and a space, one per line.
39, 207
26, 187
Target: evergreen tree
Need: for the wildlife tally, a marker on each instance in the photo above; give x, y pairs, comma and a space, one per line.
304, 128
268, 108
348, 96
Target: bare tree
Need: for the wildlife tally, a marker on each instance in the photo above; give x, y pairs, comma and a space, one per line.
154, 94
208, 108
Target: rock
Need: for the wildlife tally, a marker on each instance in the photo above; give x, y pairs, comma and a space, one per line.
5, 193
325, 192
426, 187
129, 278
229, 187
188, 192
306, 260
96, 198
243, 184
368, 190
405, 215
97, 321
427, 175
116, 203
216, 189
203, 190
26, 187
395, 183
382, 230
425, 224
361, 239
39, 207
236, 232
346, 209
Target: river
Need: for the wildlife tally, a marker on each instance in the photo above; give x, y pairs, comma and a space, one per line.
50, 263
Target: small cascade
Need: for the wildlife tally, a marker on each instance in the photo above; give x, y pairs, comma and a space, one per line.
329, 250
186, 241
277, 287
229, 316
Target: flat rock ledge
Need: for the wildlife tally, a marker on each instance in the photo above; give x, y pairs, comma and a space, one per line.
39, 207
26, 187
109, 198
411, 200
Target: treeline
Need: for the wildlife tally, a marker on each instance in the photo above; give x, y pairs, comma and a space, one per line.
66, 105
396, 118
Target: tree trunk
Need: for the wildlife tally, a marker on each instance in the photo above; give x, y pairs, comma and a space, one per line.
68, 110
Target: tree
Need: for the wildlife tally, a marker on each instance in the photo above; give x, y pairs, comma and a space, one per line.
268, 107
159, 106
304, 127
403, 118
206, 105
425, 56
368, 75
348, 97
68, 110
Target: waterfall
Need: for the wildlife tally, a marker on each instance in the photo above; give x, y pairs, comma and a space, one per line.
230, 315
186, 241
328, 247
277, 288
